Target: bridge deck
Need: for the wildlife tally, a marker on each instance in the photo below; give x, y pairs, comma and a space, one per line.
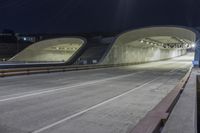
110, 100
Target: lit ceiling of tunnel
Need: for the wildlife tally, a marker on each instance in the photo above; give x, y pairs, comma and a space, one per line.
167, 42
68, 47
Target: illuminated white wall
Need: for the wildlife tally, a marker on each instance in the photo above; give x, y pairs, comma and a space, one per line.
128, 49
53, 50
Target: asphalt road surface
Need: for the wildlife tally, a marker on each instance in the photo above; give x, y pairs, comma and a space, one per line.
110, 100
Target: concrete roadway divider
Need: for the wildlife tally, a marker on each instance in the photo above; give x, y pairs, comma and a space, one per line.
155, 120
36, 70
59, 68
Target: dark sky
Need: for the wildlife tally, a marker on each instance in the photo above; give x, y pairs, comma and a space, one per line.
73, 16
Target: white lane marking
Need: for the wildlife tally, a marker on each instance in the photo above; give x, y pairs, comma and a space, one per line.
40, 92
93, 107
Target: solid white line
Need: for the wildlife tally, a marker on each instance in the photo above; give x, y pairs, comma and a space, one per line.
93, 107
40, 92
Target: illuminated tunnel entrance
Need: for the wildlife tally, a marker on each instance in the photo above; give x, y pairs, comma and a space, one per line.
52, 50
132, 47
150, 44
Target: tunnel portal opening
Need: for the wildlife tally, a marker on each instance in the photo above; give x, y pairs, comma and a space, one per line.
150, 44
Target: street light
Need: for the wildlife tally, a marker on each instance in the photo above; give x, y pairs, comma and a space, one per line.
193, 45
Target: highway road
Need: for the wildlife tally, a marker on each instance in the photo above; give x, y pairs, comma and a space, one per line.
109, 100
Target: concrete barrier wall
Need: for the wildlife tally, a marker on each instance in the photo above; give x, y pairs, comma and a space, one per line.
128, 49
53, 50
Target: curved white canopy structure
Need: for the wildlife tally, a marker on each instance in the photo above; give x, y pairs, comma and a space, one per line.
53, 50
150, 44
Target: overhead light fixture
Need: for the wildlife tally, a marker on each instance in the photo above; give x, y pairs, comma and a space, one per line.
193, 45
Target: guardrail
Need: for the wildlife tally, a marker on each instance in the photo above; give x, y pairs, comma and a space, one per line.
154, 121
35, 70
58, 68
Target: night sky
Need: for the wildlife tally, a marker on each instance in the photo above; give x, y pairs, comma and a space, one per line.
76, 16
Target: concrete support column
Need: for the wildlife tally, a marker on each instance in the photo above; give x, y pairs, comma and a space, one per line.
197, 54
